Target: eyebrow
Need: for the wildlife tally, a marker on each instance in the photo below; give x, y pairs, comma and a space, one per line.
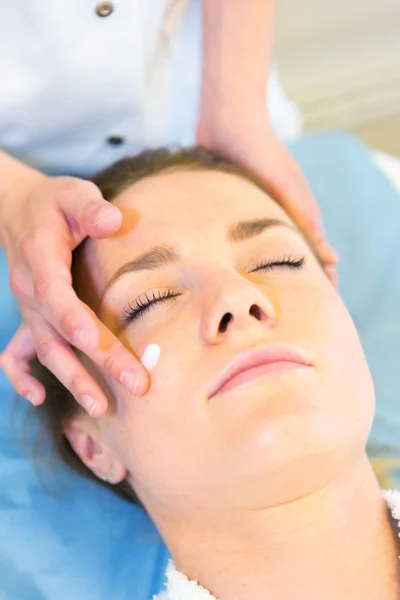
162, 256
248, 229
158, 256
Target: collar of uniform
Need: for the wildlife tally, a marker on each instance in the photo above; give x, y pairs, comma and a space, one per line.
180, 588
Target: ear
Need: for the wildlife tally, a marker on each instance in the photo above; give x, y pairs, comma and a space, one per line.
83, 437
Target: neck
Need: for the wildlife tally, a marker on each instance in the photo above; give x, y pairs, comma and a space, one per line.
336, 542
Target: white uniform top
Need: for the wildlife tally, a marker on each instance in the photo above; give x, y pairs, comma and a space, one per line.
79, 90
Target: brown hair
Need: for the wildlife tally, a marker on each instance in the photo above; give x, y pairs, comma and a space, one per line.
60, 406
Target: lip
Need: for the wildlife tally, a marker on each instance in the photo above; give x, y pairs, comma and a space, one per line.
271, 355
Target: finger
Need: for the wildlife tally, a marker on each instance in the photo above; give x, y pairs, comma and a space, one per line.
117, 361
15, 361
104, 348
79, 325
59, 358
332, 273
53, 295
85, 209
296, 198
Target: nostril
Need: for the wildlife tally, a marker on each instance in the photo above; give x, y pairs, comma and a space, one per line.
256, 312
223, 325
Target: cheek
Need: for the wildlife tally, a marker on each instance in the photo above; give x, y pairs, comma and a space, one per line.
323, 320
148, 433
309, 305
155, 441
312, 314
137, 431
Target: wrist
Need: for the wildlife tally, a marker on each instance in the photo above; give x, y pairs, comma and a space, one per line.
17, 180
230, 120
12, 172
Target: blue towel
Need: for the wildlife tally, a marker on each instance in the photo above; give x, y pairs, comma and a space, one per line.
73, 539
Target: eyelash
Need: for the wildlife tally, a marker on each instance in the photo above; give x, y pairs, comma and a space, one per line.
283, 261
140, 307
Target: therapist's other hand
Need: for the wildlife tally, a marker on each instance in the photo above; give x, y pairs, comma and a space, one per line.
247, 138
43, 219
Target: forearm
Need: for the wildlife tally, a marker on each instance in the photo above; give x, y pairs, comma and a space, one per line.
237, 51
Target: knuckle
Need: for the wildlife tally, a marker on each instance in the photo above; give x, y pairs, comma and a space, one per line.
79, 188
309, 223
71, 187
41, 289
114, 358
309, 218
91, 189
78, 385
26, 244
31, 240
67, 322
315, 227
43, 351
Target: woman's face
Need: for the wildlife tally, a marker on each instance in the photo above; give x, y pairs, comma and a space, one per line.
226, 273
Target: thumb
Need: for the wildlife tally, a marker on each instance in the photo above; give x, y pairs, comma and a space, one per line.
85, 210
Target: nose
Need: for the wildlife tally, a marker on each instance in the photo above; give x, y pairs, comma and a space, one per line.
234, 307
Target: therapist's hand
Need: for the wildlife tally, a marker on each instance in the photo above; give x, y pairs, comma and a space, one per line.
247, 137
42, 220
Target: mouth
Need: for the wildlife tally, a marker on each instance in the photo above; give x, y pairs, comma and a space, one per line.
251, 365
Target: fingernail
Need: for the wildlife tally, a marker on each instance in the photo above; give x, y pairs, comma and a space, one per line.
333, 275
129, 381
89, 403
102, 214
30, 397
80, 338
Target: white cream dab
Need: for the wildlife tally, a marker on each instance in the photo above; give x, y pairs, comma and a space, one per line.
150, 356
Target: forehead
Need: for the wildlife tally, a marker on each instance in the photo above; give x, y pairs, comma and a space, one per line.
183, 208
182, 200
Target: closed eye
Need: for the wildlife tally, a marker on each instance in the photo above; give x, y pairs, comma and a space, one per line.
140, 306
289, 262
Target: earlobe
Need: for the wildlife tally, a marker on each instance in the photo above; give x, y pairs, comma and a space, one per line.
94, 455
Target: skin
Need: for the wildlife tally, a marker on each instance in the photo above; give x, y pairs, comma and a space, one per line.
45, 218
274, 472
233, 117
